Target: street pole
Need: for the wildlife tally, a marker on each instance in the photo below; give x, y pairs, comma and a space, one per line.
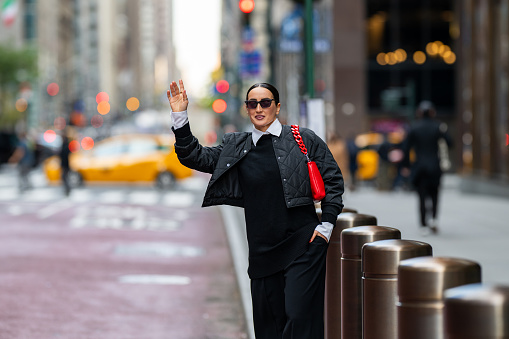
308, 47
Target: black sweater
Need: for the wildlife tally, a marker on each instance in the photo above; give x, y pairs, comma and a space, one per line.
276, 234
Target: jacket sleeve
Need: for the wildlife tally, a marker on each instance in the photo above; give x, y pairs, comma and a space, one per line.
192, 154
319, 152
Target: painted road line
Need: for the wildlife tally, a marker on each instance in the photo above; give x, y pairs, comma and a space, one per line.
57, 207
143, 198
154, 279
178, 199
112, 197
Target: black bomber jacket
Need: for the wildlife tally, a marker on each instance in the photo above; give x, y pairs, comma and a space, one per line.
221, 160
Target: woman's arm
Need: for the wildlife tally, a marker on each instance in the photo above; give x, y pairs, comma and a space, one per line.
189, 151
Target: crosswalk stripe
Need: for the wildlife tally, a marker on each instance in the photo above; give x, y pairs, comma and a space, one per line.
178, 199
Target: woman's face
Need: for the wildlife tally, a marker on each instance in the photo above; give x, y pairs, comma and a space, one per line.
260, 117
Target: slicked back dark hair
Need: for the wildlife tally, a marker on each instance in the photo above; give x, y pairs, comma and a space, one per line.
268, 86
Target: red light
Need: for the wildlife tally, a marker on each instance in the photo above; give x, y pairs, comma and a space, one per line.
52, 89
59, 123
222, 86
87, 143
507, 139
102, 96
246, 6
219, 106
74, 146
50, 136
97, 121
77, 119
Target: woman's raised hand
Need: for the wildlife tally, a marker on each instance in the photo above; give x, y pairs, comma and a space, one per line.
177, 97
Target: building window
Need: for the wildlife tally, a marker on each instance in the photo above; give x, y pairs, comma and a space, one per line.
411, 55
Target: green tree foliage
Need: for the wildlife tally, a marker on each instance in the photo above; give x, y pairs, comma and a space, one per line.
18, 66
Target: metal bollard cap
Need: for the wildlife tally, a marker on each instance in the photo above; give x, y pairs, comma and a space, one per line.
383, 256
426, 278
353, 239
348, 220
477, 311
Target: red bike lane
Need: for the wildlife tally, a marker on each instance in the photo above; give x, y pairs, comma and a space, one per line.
116, 271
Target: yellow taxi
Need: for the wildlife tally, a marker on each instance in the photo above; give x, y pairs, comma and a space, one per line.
367, 156
368, 159
124, 158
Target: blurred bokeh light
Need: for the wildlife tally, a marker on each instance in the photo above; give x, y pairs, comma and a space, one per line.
132, 104
21, 105
50, 136
96, 121
87, 143
222, 86
59, 123
74, 146
102, 96
103, 107
219, 106
53, 89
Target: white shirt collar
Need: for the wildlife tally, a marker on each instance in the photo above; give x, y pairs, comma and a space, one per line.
275, 129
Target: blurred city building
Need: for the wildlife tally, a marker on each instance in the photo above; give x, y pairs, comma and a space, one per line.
375, 60
483, 95
121, 48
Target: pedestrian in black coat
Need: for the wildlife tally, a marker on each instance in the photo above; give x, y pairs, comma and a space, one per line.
64, 164
423, 138
265, 172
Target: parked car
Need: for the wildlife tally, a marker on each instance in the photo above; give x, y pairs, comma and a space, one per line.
124, 158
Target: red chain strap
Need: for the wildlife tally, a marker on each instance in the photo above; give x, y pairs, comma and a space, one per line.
298, 138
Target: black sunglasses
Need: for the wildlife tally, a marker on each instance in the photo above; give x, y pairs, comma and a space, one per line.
264, 103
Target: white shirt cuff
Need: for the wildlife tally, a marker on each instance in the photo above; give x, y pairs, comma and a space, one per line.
179, 119
325, 228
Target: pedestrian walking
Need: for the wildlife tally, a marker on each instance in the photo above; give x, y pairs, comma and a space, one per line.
265, 172
64, 164
353, 151
425, 173
24, 157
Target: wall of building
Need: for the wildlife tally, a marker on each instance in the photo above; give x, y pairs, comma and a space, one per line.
484, 89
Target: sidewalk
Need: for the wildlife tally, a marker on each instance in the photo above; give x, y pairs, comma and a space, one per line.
471, 226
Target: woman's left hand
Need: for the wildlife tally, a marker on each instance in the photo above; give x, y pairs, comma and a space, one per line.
315, 234
177, 97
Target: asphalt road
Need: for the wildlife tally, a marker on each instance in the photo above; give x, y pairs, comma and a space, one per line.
114, 262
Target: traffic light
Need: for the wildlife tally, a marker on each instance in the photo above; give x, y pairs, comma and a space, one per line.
246, 6
222, 86
219, 106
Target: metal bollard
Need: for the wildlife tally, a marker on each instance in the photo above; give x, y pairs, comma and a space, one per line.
333, 271
380, 261
421, 285
352, 241
477, 311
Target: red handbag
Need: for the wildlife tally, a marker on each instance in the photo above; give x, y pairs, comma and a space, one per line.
316, 181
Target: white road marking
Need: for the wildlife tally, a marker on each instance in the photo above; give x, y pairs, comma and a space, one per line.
155, 279
178, 199
143, 198
41, 194
112, 197
54, 208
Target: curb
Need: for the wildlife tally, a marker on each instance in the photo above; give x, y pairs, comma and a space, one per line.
235, 226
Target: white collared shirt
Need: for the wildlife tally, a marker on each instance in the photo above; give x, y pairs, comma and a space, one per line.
275, 129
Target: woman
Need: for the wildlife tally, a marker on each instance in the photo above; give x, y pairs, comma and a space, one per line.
265, 172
